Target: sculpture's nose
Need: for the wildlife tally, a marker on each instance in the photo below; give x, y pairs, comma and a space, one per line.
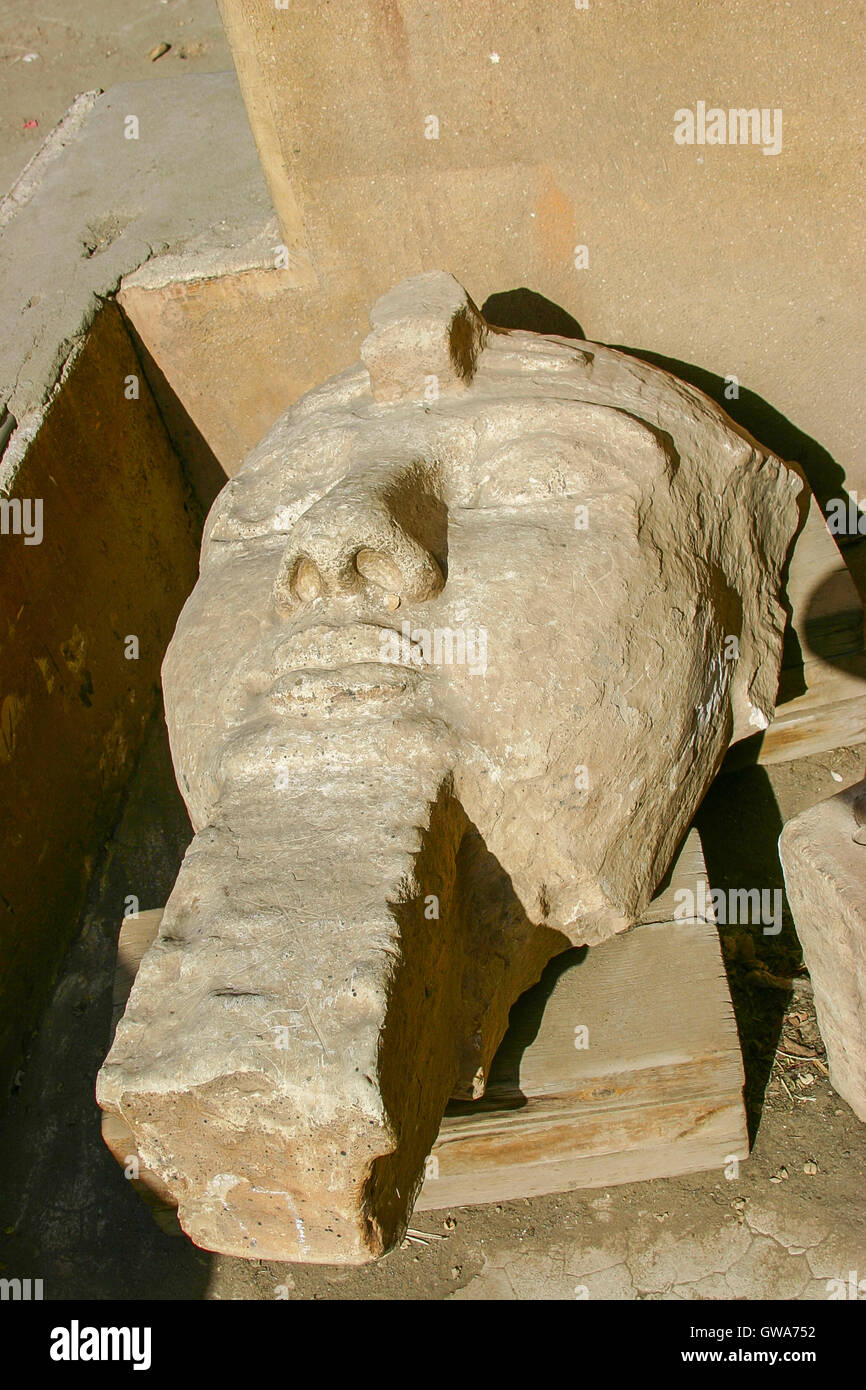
365, 533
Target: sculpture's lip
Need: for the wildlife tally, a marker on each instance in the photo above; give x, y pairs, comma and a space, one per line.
341, 689
330, 647
324, 666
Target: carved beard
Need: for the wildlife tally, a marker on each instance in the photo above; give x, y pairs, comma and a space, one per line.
301, 934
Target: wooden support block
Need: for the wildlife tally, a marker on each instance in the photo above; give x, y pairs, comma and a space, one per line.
830, 713
136, 935
821, 702
826, 611
657, 1091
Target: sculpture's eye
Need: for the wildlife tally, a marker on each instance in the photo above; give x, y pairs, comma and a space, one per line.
588, 451
262, 511
538, 468
285, 475
232, 525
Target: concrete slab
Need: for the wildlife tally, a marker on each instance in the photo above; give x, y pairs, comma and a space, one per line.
528, 146
145, 169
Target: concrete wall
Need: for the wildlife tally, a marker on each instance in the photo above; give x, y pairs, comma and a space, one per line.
121, 522
116, 558
556, 130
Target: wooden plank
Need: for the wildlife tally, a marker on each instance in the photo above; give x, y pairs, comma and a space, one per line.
136, 934
830, 713
657, 1092
821, 702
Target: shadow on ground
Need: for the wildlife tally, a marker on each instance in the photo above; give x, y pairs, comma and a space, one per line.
739, 824
68, 1215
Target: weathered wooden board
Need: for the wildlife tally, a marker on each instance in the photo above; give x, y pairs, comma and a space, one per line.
829, 713
657, 1091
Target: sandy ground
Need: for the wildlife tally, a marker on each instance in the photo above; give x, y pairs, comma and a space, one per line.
50, 50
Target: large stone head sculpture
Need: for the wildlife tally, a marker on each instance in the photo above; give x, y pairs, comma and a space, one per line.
476, 623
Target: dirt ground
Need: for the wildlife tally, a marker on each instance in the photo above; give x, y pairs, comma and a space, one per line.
793, 1218
51, 50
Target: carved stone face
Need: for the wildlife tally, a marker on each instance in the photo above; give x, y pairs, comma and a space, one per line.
515, 552
475, 624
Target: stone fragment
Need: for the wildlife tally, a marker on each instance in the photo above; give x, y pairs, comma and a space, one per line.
427, 335
458, 670
825, 877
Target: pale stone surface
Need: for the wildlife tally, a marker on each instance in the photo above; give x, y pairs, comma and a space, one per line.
396, 827
712, 1288
797, 1226
839, 1252
594, 1259
525, 1273
825, 876
611, 1284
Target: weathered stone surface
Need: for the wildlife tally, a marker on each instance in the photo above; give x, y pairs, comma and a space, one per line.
433, 335
503, 140
456, 674
825, 878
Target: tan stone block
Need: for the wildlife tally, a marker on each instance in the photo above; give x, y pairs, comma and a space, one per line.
825, 877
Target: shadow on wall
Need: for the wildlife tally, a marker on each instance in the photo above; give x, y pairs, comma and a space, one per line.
69, 1215
203, 471
532, 313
